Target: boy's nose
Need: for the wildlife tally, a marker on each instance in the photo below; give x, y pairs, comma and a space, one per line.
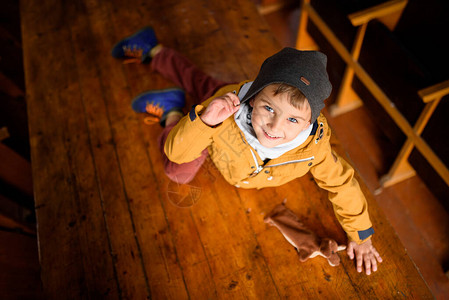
276, 124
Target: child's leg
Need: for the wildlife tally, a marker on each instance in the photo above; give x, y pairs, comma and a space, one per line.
180, 71
175, 67
180, 173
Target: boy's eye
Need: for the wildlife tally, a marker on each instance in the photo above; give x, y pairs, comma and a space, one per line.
269, 108
293, 120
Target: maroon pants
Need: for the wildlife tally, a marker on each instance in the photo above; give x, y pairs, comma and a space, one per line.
175, 67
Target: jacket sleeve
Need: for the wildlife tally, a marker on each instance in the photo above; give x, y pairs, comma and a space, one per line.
188, 138
191, 136
336, 176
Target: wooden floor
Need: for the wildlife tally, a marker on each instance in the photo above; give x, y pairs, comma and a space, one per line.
420, 220
111, 226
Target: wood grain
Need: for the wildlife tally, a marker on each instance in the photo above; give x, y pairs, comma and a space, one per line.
110, 224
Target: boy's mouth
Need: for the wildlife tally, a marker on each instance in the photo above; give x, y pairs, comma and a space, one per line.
269, 136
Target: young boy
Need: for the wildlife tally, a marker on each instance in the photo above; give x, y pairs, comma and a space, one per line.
260, 133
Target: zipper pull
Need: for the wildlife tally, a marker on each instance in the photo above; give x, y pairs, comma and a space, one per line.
257, 171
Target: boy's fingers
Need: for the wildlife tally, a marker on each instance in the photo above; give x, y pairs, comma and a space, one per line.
232, 107
379, 259
367, 264
374, 263
350, 251
234, 99
227, 103
359, 263
377, 255
232, 102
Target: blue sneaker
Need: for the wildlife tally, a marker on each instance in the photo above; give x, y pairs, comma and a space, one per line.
158, 103
136, 46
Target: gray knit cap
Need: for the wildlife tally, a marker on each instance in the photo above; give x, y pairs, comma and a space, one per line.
305, 70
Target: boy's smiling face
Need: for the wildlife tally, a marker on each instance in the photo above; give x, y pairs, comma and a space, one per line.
275, 120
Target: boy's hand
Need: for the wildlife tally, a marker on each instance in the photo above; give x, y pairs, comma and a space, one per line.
220, 109
364, 253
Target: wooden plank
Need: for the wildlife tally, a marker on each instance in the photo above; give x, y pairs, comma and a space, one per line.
253, 35
238, 266
268, 8
106, 86
344, 102
378, 11
401, 169
69, 202
189, 246
435, 91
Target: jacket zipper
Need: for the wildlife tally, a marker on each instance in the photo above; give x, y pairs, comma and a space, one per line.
259, 168
292, 162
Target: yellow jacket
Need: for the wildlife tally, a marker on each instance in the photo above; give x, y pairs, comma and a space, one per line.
241, 166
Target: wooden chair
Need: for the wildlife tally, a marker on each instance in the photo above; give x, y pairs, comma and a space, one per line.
401, 169
346, 100
388, 13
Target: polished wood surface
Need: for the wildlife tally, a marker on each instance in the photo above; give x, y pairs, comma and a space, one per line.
111, 225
